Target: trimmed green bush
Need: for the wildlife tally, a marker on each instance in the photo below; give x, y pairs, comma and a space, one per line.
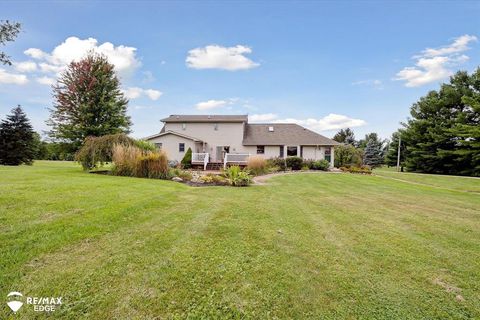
278, 163
295, 163
187, 159
321, 165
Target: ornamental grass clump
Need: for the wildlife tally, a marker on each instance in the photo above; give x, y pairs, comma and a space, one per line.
125, 159
152, 165
257, 165
131, 161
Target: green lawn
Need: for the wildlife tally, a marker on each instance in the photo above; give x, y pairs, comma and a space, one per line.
333, 246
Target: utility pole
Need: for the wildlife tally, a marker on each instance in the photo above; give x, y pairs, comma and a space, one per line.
398, 155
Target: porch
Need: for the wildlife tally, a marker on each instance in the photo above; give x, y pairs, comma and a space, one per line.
204, 161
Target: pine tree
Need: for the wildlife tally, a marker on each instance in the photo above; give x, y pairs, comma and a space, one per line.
391, 155
443, 135
88, 102
17, 141
345, 136
373, 154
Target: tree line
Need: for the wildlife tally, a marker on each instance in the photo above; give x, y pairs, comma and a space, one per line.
442, 134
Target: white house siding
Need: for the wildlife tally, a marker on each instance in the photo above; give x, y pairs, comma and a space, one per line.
270, 151
227, 134
170, 144
312, 153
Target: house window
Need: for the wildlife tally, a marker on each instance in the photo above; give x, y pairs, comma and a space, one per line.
158, 145
281, 151
292, 151
215, 126
301, 151
181, 147
260, 149
184, 126
328, 154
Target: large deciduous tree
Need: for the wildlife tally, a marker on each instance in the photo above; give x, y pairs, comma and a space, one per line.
88, 102
443, 135
8, 32
17, 140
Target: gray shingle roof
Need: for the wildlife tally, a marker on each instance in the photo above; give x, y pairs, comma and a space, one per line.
205, 118
283, 134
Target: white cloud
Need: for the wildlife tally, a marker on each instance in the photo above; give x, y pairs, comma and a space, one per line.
153, 94
211, 104
218, 57
262, 117
330, 122
460, 44
35, 53
375, 83
25, 66
136, 92
73, 49
12, 78
435, 64
46, 80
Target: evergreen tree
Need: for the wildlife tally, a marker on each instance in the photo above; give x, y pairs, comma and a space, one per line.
443, 135
373, 154
88, 102
187, 159
17, 141
345, 136
362, 143
391, 154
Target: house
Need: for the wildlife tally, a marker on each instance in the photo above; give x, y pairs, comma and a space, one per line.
225, 139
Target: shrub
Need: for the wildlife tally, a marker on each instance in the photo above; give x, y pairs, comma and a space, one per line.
185, 175
305, 167
295, 163
145, 145
98, 150
308, 164
321, 165
348, 155
237, 177
152, 165
187, 159
125, 159
133, 162
214, 179
357, 169
257, 165
173, 163
277, 162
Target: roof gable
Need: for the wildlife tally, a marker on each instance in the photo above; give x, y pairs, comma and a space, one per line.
164, 133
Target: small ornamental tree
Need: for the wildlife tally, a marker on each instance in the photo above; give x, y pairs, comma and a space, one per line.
17, 140
373, 154
88, 102
187, 159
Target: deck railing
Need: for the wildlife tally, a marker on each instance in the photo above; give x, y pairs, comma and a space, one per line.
239, 158
201, 158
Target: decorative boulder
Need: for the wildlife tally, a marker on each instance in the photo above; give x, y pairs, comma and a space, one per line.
177, 179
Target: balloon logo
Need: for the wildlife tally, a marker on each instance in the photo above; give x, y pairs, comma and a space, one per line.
16, 304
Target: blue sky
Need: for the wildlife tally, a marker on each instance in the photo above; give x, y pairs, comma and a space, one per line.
325, 65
